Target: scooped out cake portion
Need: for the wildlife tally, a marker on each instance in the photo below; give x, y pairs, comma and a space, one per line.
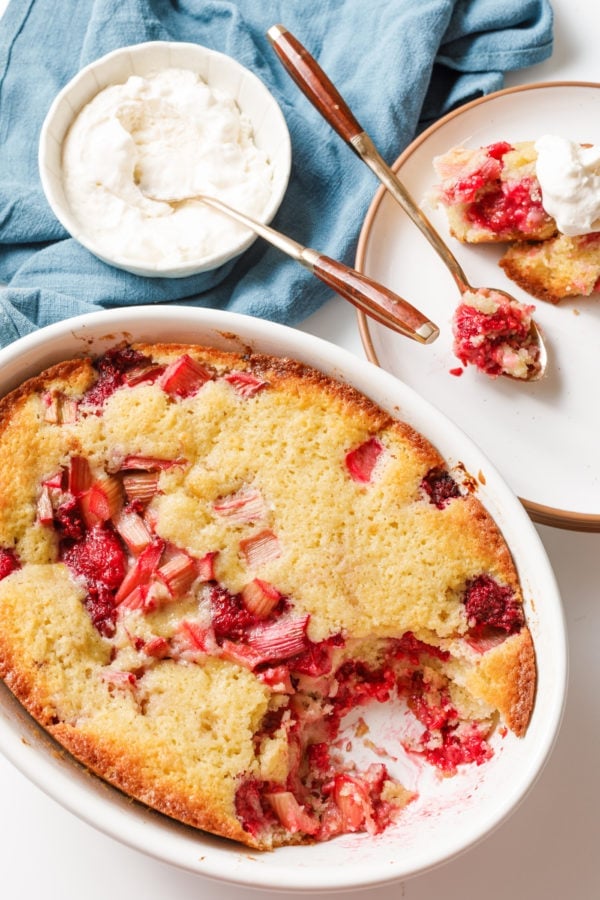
208, 560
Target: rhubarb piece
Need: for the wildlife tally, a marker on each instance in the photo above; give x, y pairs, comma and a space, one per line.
361, 461
245, 383
133, 530
247, 505
260, 549
79, 475
151, 463
183, 377
205, 567
157, 647
196, 634
413, 649
280, 639
178, 573
58, 408
354, 804
278, 678
141, 487
102, 501
45, 509
260, 598
142, 570
143, 374
317, 658
291, 815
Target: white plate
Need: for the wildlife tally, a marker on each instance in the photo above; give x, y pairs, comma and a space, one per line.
544, 437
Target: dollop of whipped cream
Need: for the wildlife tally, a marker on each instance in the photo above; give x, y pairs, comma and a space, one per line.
569, 177
166, 135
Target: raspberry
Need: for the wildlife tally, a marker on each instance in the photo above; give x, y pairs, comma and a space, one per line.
440, 487
230, 617
9, 562
488, 604
112, 369
98, 558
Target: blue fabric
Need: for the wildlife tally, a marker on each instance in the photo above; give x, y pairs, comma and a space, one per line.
399, 63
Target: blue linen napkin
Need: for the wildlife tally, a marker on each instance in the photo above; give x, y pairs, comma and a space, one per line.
399, 63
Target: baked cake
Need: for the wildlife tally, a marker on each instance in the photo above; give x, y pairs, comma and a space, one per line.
560, 267
492, 332
208, 559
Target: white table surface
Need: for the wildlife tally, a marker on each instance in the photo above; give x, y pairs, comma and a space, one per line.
547, 850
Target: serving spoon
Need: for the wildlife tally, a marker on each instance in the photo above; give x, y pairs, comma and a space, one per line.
325, 97
374, 299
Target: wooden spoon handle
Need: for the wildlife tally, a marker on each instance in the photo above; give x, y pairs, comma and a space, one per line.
375, 300
313, 82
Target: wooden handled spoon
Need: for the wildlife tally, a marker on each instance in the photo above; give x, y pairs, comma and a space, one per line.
325, 97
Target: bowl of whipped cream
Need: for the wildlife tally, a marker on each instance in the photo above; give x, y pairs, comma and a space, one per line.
132, 141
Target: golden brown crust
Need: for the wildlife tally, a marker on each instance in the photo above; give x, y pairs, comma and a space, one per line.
531, 282
555, 269
128, 773
514, 696
75, 374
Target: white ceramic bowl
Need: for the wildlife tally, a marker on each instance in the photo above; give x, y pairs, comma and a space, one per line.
220, 72
451, 814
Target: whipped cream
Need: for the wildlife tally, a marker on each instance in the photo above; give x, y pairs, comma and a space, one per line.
569, 176
165, 135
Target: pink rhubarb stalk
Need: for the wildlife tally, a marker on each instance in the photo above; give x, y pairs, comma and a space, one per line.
245, 383
261, 548
183, 377
246, 505
260, 598
361, 461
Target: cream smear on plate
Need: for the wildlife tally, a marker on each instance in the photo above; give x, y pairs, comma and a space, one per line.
165, 135
569, 176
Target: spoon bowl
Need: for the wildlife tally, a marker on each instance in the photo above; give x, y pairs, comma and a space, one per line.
325, 97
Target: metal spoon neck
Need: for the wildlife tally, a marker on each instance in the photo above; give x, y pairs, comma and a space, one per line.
363, 145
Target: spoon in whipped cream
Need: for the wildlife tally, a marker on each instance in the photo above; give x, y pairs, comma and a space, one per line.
524, 356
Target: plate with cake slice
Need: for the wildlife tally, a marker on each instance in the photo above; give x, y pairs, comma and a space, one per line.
474, 174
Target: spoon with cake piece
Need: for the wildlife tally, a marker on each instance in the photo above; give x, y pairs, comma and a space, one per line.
498, 334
